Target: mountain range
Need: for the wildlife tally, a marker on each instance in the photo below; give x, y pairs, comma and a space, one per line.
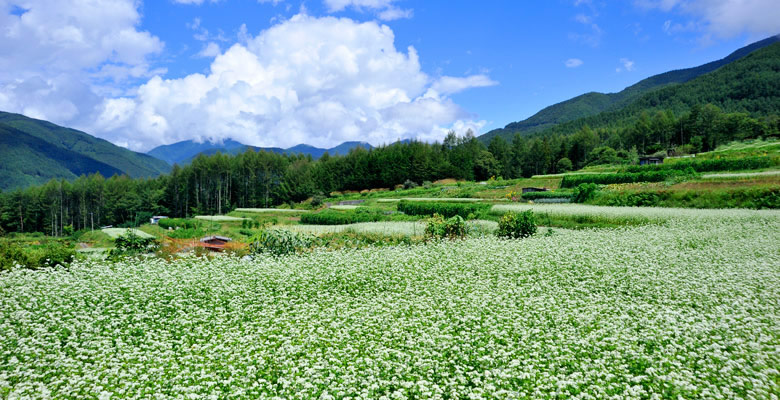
34, 151
183, 152
593, 103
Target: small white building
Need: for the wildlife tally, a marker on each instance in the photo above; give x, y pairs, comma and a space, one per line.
154, 220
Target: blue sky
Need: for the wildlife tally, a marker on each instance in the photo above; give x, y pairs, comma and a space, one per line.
321, 72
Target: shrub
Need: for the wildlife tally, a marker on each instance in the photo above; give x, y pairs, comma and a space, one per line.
409, 184
584, 192
279, 242
446, 210
317, 200
48, 255
130, 244
440, 228
564, 165
11, 254
517, 225
174, 223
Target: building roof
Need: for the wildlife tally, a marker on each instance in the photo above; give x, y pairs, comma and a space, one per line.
210, 238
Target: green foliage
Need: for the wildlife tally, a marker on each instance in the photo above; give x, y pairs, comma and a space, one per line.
279, 242
450, 228
317, 200
409, 184
446, 210
718, 164
130, 244
553, 194
182, 223
584, 192
517, 225
754, 197
186, 233
570, 181
331, 217
563, 165
67, 230
43, 256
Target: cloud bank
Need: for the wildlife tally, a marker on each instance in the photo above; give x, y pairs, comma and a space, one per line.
311, 80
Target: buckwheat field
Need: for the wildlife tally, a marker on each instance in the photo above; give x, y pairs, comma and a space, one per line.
685, 308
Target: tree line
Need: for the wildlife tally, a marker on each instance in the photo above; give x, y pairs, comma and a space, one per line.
219, 183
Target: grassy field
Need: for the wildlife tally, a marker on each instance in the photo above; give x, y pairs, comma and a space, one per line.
683, 308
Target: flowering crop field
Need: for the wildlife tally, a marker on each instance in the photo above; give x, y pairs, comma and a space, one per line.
270, 210
688, 308
406, 228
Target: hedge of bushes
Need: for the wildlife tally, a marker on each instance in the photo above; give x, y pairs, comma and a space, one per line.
446, 210
174, 223
330, 217
751, 197
557, 194
720, 164
570, 181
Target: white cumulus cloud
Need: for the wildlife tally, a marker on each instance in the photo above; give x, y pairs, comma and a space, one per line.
573, 63
626, 65
311, 80
56, 56
725, 18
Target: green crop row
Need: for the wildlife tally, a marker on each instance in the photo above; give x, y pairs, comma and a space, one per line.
330, 217
446, 210
557, 194
719, 164
570, 181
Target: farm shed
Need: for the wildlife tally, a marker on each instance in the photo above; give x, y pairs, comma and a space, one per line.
650, 160
154, 220
534, 189
215, 243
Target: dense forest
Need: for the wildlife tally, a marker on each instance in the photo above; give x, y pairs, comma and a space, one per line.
219, 183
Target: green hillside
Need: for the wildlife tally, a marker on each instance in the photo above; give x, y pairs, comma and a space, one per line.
593, 103
34, 151
750, 85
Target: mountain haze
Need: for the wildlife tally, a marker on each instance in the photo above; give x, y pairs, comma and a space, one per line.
592, 103
183, 152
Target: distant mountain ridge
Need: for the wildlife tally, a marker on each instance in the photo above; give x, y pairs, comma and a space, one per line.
34, 151
593, 103
183, 152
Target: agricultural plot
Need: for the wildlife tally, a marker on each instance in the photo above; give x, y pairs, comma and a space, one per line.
684, 309
434, 199
219, 218
270, 210
117, 232
405, 228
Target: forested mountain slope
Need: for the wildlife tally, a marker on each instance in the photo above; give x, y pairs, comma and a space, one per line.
750, 85
34, 151
593, 103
